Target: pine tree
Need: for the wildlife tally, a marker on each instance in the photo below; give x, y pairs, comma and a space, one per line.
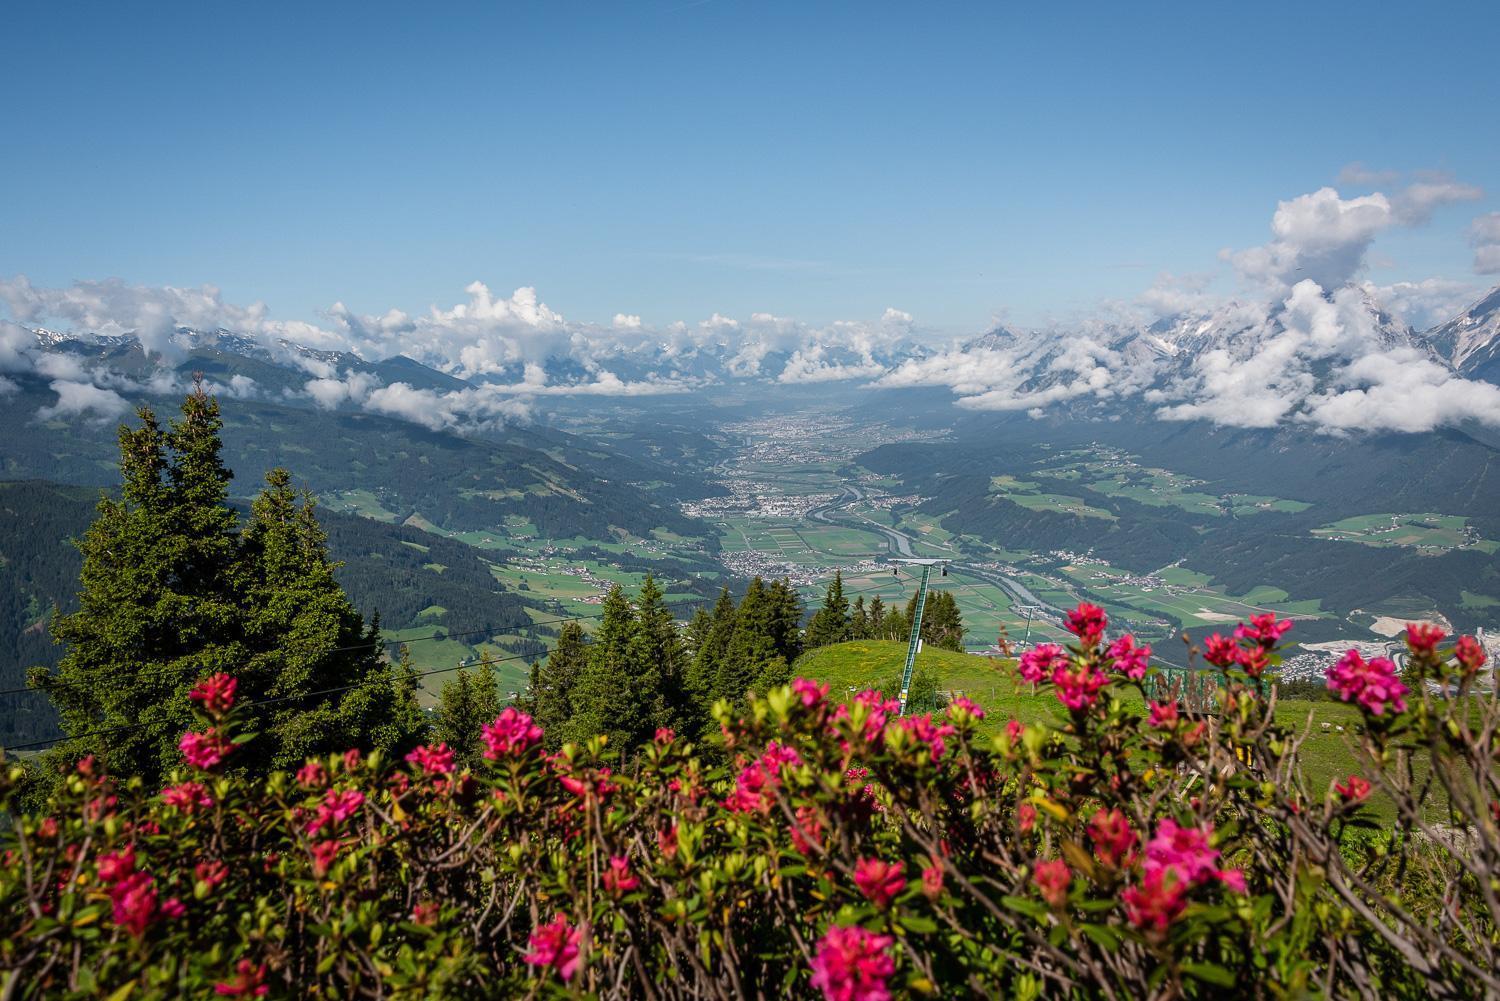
557, 680
942, 622
751, 647
306, 639
466, 704
831, 624
602, 700
786, 619
875, 629
661, 661
172, 590
703, 675
859, 621
157, 599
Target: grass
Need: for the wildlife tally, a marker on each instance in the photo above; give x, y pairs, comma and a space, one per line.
859, 664
1424, 532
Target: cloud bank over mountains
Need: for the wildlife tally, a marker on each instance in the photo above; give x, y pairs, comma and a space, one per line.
1304, 341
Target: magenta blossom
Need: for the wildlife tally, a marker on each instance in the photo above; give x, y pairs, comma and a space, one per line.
880, 881
336, 808
556, 945
1038, 662
215, 693
809, 692
187, 797
966, 705
925, 731
434, 759
1372, 684
1163, 715
512, 733
1130, 660
1088, 623
1079, 687
1185, 851
1263, 629
853, 964
206, 750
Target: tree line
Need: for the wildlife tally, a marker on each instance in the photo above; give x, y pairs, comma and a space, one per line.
176, 584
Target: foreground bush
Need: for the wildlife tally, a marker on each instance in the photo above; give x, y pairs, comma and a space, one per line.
843, 851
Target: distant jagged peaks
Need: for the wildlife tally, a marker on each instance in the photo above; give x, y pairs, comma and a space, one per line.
1336, 360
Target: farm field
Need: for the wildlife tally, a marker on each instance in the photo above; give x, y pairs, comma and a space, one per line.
1429, 531
1115, 473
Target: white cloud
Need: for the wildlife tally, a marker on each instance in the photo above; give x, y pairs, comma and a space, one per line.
79, 398
1484, 235
1324, 237
467, 409
16, 343
627, 321
1425, 303
1402, 390
7, 386
331, 393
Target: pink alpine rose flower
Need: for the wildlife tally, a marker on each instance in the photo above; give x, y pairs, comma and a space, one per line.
810, 693
880, 881
1164, 715
512, 733
187, 797
1372, 684
206, 750
1130, 660
215, 693
1263, 629
1114, 839
1088, 623
134, 903
249, 981
556, 945
434, 759
1078, 687
964, 704
1053, 878
1156, 902
853, 964
1040, 661
1219, 650
925, 731
1470, 654
1423, 637
618, 878
1354, 789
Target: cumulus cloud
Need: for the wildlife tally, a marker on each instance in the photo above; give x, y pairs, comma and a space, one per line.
1484, 235
1402, 390
75, 399
1425, 303
7, 386
1324, 237
467, 409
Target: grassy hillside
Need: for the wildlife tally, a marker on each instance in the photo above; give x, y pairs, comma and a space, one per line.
850, 667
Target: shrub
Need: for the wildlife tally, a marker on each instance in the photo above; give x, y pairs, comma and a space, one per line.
840, 850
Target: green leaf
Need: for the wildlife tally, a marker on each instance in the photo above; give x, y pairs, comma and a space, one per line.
1034, 908
1210, 973
917, 923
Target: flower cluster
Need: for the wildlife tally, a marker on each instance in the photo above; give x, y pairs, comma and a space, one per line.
1373, 683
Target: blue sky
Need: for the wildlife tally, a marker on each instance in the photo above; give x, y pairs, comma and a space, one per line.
675, 159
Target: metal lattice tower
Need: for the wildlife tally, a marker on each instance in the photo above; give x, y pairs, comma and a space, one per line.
915, 643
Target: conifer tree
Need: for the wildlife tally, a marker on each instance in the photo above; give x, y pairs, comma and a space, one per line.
467, 703
875, 629
660, 680
831, 624
859, 620
602, 700
786, 619
750, 648
703, 676
304, 636
556, 681
171, 591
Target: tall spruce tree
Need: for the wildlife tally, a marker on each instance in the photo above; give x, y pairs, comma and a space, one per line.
859, 620
467, 703
660, 679
875, 629
603, 700
831, 623
171, 590
556, 681
703, 676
